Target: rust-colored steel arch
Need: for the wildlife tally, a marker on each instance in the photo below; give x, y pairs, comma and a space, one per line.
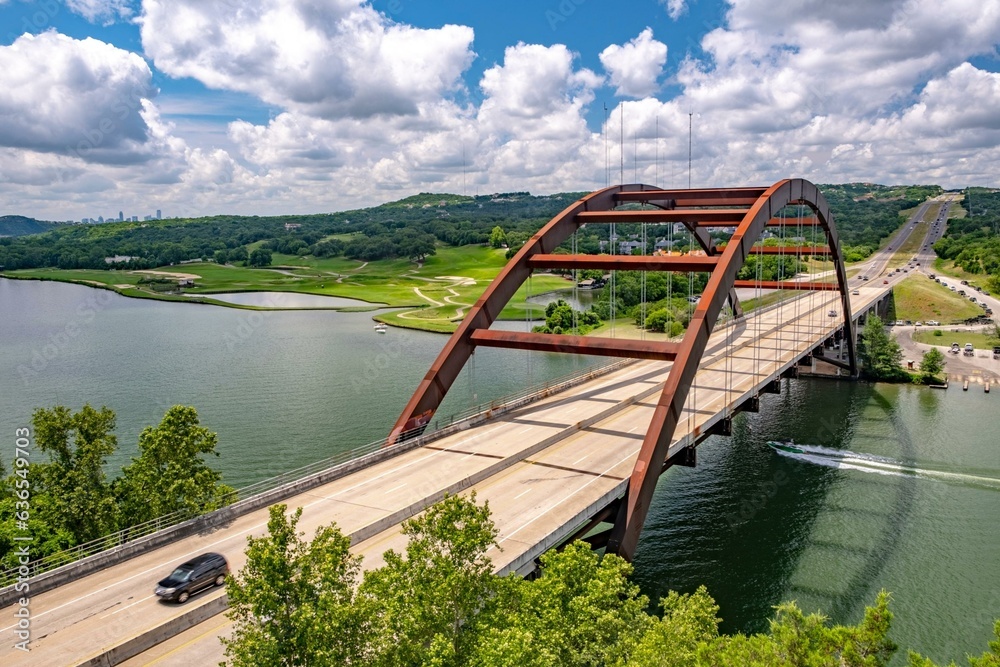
749, 210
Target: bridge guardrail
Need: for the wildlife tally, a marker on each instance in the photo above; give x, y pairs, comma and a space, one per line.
127, 536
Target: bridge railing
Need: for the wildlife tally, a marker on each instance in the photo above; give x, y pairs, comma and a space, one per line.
12, 575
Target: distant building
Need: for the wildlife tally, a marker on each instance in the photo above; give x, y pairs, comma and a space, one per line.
185, 282
289, 226
121, 216
626, 247
159, 214
118, 259
100, 218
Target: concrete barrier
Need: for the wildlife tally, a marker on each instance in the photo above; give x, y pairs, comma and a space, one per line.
143, 642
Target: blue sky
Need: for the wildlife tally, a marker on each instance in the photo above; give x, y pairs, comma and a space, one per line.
281, 106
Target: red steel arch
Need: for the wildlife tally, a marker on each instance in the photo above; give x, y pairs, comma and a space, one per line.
749, 210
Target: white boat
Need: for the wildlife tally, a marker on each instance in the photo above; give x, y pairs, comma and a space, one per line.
381, 327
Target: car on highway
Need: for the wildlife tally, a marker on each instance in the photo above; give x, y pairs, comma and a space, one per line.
832, 313
885, 282
856, 292
204, 571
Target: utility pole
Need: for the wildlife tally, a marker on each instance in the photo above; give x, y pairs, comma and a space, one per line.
607, 165
690, 116
621, 144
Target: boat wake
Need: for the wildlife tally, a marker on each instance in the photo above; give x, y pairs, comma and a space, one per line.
880, 465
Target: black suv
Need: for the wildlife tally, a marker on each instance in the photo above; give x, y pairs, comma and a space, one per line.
202, 572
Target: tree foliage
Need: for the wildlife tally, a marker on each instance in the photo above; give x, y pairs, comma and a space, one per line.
932, 363
439, 605
880, 353
72, 499
170, 473
291, 602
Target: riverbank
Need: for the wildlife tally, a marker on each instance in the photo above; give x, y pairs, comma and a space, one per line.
432, 295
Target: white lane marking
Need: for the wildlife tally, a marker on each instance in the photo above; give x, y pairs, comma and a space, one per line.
129, 606
579, 459
522, 494
565, 498
395, 488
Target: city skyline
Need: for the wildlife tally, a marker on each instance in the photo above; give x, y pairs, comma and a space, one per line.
340, 106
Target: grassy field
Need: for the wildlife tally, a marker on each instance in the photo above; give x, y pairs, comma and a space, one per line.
979, 340
432, 296
913, 242
918, 298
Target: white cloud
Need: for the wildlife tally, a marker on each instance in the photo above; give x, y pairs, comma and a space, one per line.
675, 8
105, 11
79, 97
327, 59
635, 67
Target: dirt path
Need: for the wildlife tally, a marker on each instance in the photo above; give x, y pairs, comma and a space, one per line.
452, 282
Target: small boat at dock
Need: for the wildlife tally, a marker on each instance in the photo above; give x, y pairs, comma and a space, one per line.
381, 327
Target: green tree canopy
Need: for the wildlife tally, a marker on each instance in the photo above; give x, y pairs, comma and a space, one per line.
497, 237
260, 257
170, 473
932, 363
291, 602
880, 353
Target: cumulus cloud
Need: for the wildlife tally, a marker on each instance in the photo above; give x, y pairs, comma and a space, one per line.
105, 11
80, 97
635, 67
675, 8
326, 59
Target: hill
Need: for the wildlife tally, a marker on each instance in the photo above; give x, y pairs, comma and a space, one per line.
18, 225
410, 228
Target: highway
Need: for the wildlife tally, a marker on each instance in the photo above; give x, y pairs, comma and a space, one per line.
544, 469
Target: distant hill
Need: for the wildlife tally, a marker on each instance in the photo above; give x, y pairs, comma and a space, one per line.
18, 225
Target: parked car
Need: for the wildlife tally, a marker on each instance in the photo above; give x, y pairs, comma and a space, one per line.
201, 572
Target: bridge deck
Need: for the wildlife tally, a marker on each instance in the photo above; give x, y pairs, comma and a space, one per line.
544, 469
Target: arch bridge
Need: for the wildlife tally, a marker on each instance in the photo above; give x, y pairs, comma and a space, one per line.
750, 212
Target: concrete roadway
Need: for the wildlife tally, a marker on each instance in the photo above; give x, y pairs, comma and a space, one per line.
542, 471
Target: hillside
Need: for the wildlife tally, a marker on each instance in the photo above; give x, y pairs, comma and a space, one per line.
18, 225
410, 228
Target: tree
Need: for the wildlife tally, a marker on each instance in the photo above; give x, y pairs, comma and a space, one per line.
417, 606
659, 320
291, 602
260, 257
70, 492
880, 353
932, 363
582, 610
497, 237
170, 473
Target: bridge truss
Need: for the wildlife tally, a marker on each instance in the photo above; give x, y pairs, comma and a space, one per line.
749, 211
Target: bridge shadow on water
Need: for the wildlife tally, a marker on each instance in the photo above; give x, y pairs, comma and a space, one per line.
759, 528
